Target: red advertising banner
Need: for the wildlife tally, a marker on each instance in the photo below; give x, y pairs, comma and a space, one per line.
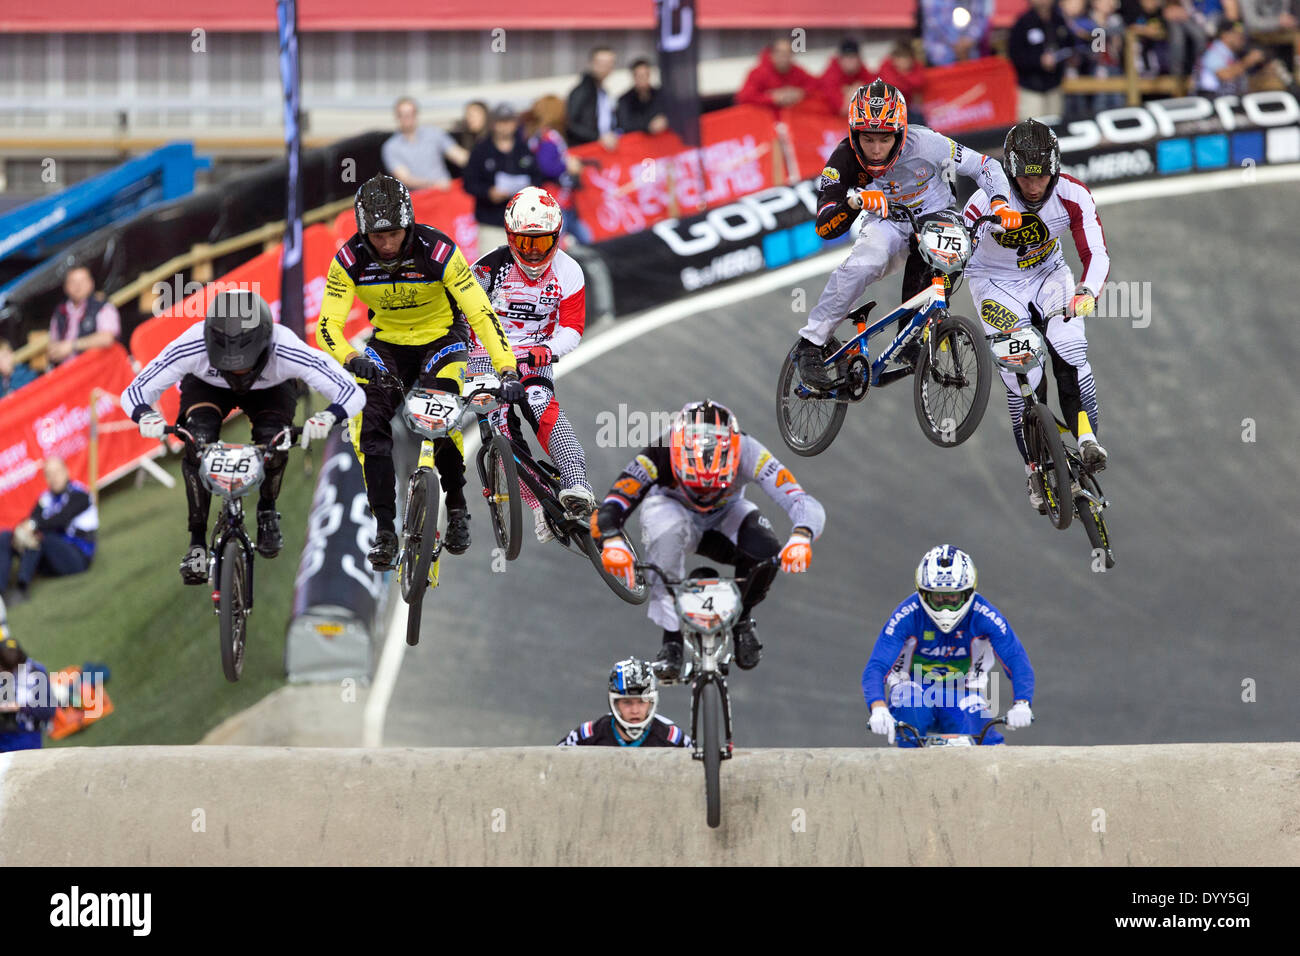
52, 417
650, 178
812, 137
974, 95
61, 16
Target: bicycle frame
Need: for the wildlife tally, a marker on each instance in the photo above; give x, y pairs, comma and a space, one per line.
930, 301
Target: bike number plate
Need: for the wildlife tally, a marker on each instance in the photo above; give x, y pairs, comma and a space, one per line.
710, 605
946, 246
433, 412
231, 470
952, 740
485, 380
1019, 350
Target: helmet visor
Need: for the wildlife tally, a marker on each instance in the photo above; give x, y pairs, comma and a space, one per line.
945, 600
533, 249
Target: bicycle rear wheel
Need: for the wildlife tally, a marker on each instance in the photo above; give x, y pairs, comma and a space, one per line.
637, 595
1047, 453
951, 393
501, 482
421, 535
710, 704
807, 425
1093, 520
232, 601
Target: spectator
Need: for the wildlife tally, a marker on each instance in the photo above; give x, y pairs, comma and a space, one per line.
1109, 60
1274, 17
83, 321
499, 167
26, 704
472, 128
955, 30
1079, 23
542, 125
641, 109
590, 111
59, 536
777, 82
1187, 38
1040, 44
844, 74
1149, 24
415, 154
1224, 68
902, 70
13, 376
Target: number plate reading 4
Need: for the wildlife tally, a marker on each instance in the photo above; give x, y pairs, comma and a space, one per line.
710, 607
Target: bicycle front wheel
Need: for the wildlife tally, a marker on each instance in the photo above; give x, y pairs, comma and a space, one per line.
951, 393
421, 537
501, 482
232, 601
807, 425
1094, 522
710, 704
1043, 439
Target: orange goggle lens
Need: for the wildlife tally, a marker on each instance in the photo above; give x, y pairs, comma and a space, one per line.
533, 248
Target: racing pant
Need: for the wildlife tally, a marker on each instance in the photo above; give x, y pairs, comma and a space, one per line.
1005, 304
881, 249
737, 534
906, 704
439, 364
550, 424
203, 408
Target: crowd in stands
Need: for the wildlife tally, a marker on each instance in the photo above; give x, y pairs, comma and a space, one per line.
1204, 46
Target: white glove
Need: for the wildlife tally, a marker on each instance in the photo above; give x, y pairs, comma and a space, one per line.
973, 703
152, 425
1020, 715
317, 427
882, 721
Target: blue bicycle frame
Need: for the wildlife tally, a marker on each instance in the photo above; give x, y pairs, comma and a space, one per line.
924, 304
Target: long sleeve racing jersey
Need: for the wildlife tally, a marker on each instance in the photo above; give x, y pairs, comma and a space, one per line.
413, 306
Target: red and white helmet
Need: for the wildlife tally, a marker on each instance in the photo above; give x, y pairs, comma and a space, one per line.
533, 224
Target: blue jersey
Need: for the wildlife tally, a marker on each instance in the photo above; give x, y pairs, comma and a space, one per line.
910, 638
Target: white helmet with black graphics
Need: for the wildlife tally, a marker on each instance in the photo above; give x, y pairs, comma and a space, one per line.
633, 679
945, 583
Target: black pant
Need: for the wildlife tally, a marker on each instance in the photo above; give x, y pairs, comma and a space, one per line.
55, 557
203, 408
756, 544
438, 364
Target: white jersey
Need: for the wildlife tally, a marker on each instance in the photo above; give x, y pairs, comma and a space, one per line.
1035, 248
290, 358
549, 310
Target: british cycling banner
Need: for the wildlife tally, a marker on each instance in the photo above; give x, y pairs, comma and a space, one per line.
973, 95
52, 417
647, 179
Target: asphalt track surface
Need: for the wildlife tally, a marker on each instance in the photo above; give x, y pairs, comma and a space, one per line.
1156, 650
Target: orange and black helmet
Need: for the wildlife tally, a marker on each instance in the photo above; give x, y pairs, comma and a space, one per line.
705, 452
878, 108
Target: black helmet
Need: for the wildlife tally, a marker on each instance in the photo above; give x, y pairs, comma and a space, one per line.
237, 333
383, 203
1030, 149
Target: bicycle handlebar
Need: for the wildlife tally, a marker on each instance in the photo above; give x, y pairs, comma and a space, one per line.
671, 582
920, 737
387, 379
283, 440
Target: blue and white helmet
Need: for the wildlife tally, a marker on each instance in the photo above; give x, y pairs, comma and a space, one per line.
633, 678
945, 583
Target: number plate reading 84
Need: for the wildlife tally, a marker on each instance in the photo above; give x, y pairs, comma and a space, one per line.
1019, 350
433, 413
231, 471
710, 606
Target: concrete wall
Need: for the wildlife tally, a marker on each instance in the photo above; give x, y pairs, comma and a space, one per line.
1178, 805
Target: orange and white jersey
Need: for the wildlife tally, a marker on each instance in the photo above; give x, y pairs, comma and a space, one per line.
1036, 246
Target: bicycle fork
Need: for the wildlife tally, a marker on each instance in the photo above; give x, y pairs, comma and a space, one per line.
697, 688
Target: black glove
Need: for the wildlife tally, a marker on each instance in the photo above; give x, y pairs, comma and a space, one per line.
362, 367
512, 390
